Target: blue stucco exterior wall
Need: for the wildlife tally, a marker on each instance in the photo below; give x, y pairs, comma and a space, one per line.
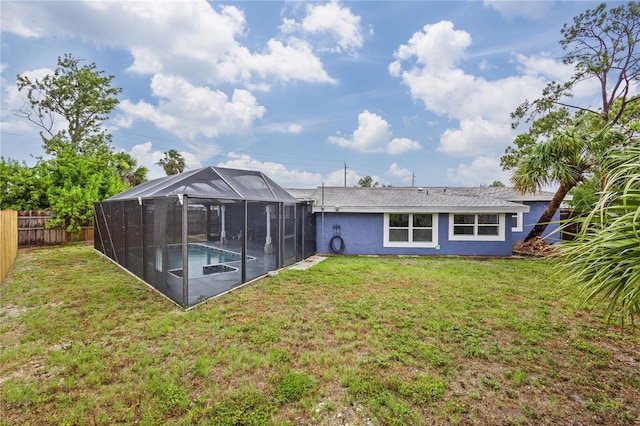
363, 234
536, 208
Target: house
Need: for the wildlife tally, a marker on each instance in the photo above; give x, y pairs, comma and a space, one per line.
483, 221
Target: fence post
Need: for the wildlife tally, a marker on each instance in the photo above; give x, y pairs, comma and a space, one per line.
8, 240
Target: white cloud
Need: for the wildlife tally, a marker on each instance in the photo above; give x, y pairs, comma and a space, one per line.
188, 111
437, 46
485, 65
292, 128
373, 135
331, 26
528, 9
430, 66
543, 65
336, 178
483, 170
292, 178
433, 75
278, 172
284, 61
474, 137
400, 172
334, 20
194, 39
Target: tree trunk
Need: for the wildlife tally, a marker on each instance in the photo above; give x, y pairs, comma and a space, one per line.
551, 209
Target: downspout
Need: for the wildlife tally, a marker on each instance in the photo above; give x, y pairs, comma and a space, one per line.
280, 252
268, 246
322, 239
223, 225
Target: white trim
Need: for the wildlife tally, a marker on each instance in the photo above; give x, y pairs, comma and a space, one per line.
499, 237
518, 227
423, 209
434, 233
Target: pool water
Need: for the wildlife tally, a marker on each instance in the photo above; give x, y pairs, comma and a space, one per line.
200, 257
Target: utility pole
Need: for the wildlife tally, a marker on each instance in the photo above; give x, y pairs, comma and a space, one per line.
345, 174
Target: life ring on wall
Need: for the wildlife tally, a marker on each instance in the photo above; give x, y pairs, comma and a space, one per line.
332, 245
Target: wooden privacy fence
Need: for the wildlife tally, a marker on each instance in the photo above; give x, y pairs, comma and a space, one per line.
32, 230
8, 240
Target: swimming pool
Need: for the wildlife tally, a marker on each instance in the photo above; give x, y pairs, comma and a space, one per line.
204, 260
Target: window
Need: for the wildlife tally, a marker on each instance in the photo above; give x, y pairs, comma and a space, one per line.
516, 222
410, 230
480, 227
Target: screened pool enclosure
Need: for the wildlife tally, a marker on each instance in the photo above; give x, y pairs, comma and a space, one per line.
204, 232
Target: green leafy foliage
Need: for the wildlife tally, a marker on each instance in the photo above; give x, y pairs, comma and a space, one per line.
603, 259
22, 187
77, 183
245, 407
173, 162
585, 195
83, 168
563, 159
293, 386
367, 182
128, 169
79, 96
600, 45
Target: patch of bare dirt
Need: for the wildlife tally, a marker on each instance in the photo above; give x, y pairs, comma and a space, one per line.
534, 247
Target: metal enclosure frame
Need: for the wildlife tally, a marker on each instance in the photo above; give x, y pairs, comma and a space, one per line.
205, 232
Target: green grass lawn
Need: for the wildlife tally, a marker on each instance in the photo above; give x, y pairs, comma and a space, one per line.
353, 340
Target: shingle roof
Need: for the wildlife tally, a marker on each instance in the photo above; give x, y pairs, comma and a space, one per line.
433, 199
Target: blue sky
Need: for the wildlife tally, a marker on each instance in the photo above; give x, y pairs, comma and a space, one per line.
401, 91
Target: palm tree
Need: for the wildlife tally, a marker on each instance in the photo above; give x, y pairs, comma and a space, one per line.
564, 159
172, 163
128, 169
603, 258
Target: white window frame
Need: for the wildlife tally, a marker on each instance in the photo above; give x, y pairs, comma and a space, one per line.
475, 236
520, 218
422, 244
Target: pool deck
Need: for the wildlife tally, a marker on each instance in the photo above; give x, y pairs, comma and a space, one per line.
204, 287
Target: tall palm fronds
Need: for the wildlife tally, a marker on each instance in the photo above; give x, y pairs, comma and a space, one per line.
563, 159
128, 169
173, 162
604, 258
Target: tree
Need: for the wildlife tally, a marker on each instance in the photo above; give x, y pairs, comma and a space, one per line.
81, 96
600, 45
564, 159
497, 184
23, 187
603, 258
80, 181
81, 170
367, 182
172, 162
584, 196
128, 169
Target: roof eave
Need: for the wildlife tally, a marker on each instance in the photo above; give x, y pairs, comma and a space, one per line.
520, 208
